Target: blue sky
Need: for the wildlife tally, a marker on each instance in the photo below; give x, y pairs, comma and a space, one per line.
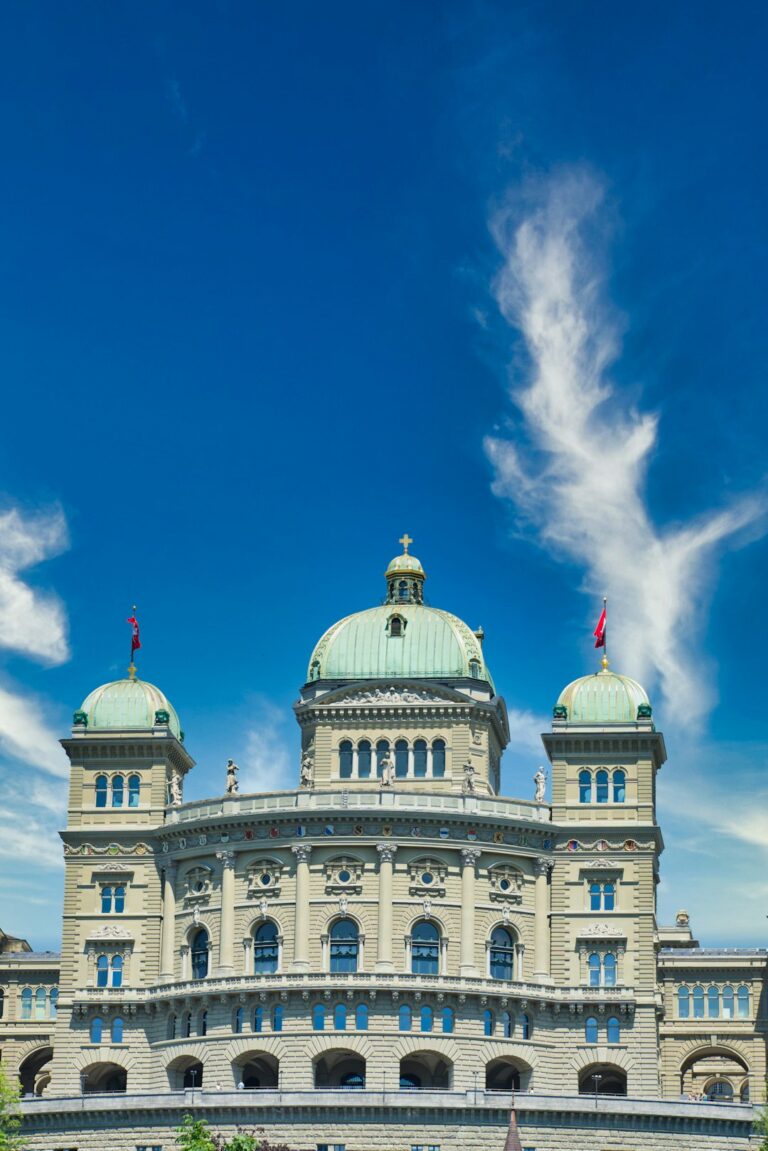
278, 283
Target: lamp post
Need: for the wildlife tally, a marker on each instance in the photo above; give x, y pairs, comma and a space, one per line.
193, 1076
596, 1078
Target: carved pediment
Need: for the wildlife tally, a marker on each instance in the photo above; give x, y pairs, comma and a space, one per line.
601, 931
392, 696
110, 931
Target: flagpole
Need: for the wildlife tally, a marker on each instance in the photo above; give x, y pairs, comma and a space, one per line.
605, 634
132, 665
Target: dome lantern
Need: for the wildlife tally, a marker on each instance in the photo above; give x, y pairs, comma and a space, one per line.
405, 576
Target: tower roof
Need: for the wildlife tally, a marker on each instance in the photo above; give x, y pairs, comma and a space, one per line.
604, 697
127, 704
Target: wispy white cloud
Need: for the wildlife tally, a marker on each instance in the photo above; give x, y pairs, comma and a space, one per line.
271, 750
574, 467
31, 622
30, 819
26, 735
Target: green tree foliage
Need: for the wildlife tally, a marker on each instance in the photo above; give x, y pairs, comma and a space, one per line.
761, 1127
196, 1135
10, 1117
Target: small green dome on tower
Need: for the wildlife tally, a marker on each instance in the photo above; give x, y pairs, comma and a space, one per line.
401, 639
127, 704
604, 697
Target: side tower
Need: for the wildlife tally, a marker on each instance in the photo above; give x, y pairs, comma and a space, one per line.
605, 753
128, 762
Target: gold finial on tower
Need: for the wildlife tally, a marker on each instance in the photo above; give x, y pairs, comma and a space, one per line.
604, 663
405, 541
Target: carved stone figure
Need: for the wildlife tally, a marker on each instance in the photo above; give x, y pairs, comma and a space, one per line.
427, 907
232, 770
387, 769
540, 779
306, 771
469, 779
683, 919
174, 786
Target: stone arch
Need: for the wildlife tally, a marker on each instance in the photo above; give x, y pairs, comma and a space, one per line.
268, 1043
103, 1076
493, 918
256, 921
256, 1068
410, 1044
182, 1062
120, 1058
734, 1067
24, 1051
602, 1054
192, 930
415, 918
698, 1048
30, 1068
427, 1067
525, 1056
320, 1045
339, 1066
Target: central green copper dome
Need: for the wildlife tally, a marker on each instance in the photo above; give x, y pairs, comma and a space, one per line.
127, 704
401, 639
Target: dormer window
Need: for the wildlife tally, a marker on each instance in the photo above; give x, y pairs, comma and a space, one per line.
396, 625
474, 668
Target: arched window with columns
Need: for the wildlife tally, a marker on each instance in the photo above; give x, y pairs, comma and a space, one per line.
200, 954
266, 949
425, 948
502, 954
345, 947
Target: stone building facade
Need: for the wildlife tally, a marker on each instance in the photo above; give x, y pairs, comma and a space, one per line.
392, 945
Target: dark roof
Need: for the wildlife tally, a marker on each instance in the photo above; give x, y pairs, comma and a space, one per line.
25, 955
703, 952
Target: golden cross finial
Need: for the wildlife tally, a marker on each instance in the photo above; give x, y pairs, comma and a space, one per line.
405, 541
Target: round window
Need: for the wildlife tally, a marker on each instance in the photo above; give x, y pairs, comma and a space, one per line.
427, 877
344, 875
504, 885
265, 879
199, 885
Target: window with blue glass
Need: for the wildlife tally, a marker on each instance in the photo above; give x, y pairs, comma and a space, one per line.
427, 1018
364, 759
54, 1002
134, 790
683, 1003
742, 999
420, 758
41, 999
96, 1030
277, 1018
590, 1030
609, 969
405, 1017
345, 947
102, 787
698, 1003
488, 1022
601, 782
585, 787
619, 787
117, 790
602, 896
102, 971
401, 758
265, 949
117, 1030
26, 1002
361, 1017
613, 1030
238, 1021
258, 1020
119, 900
425, 949
713, 1002
200, 954
438, 758
507, 1024
345, 759
339, 1017
448, 1019
728, 1012
106, 900
318, 1017
525, 1027
594, 970
502, 954
116, 967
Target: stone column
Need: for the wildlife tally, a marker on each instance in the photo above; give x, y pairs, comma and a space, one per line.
302, 851
542, 868
227, 915
168, 944
386, 866
469, 858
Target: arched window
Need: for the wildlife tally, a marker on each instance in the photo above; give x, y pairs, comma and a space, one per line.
502, 958
728, 1012
117, 970
698, 1003
742, 998
106, 900
238, 1021
590, 1030
186, 1025
619, 787
102, 785
683, 1003
382, 749
265, 949
277, 1018
594, 970
53, 998
438, 758
364, 759
102, 971
117, 1030
40, 1000
339, 1017
258, 1019
119, 900
585, 787
427, 1018
713, 1002
345, 759
507, 1024
396, 625
420, 758
26, 1003
405, 1017
525, 1027
425, 949
474, 668
448, 1020
361, 1017
134, 790
97, 1029
613, 1030
401, 758
318, 1017
601, 781
402, 589
488, 1022
200, 954
170, 1027
202, 1023
345, 946
117, 790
